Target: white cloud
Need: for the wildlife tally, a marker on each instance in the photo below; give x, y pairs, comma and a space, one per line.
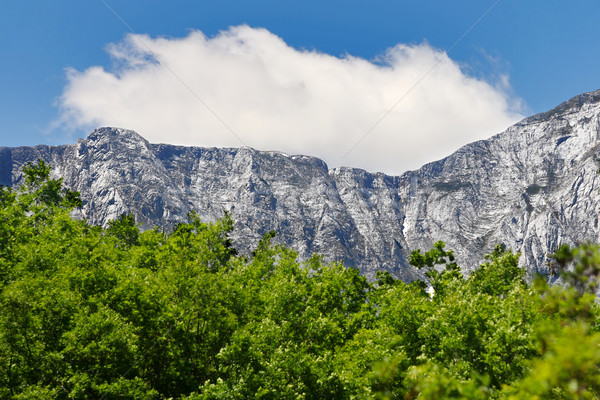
275, 97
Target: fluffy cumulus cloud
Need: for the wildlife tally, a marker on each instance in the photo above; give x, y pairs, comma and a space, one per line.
246, 86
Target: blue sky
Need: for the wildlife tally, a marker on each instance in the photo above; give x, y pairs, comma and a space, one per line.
539, 53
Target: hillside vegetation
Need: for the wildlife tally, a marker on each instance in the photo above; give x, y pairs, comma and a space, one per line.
115, 313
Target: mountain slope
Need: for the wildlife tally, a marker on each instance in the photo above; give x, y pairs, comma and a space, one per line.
531, 187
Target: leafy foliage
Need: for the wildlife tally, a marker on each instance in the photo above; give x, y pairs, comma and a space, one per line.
117, 313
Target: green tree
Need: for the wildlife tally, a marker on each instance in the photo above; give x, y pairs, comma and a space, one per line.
116, 313
499, 274
439, 265
124, 229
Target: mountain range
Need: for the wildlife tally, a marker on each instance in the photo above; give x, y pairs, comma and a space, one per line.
531, 187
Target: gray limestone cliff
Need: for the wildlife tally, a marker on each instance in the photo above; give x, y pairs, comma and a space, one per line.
531, 188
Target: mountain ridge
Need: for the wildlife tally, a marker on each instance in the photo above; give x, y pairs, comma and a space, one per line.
531, 187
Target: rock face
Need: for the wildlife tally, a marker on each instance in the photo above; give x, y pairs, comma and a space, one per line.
531, 187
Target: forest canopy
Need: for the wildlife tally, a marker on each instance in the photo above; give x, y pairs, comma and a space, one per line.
117, 313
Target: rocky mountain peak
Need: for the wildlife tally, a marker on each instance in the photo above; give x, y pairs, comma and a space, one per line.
580, 102
107, 139
112, 134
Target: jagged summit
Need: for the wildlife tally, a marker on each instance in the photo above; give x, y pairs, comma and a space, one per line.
113, 133
531, 187
574, 104
107, 136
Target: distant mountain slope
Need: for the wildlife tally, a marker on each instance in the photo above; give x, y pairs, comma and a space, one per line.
531, 187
